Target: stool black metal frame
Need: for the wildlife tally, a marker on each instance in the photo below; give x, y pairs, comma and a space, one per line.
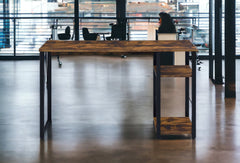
157, 93
45, 67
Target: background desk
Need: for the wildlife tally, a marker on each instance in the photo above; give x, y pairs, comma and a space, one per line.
56, 47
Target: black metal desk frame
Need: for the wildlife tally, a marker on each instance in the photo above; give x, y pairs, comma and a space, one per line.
46, 86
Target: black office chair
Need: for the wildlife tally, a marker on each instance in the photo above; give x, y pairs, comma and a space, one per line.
115, 33
66, 35
89, 36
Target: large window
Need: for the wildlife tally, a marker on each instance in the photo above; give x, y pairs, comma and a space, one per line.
97, 8
4, 24
26, 35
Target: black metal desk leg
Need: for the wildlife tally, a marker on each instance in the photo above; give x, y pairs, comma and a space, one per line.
154, 89
42, 88
158, 96
154, 95
186, 87
49, 86
193, 95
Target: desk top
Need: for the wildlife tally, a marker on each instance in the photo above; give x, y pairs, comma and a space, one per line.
118, 46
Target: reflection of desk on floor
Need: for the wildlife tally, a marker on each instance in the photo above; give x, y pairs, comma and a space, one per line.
56, 47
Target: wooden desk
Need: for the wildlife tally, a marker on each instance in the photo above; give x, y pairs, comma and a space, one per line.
56, 47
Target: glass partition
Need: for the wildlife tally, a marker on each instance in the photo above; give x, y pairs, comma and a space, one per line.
97, 8
4, 25
190, 18
100, 9
28, 27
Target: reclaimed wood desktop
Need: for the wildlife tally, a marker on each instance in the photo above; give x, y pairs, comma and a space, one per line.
56, 47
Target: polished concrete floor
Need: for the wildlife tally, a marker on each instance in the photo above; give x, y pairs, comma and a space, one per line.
102, 112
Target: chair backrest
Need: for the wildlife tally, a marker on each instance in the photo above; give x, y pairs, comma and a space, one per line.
67, 30
116, 31
87, 35
85, 31
66, 35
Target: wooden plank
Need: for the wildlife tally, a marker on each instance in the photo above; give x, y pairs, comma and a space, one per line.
101, 54
175, 71
174, 125
117, 46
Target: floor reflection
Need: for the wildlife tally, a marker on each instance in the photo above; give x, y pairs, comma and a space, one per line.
108, 117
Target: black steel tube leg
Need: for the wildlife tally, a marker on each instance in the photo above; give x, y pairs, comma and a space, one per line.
49, 86
187, 87
42, 87
154, 94
193, 95
158, 96
154, 87
230, 49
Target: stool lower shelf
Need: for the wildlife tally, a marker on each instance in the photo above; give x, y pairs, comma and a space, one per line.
174, 125
174, 71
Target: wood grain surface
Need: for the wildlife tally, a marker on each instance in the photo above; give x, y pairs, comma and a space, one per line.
117, 46
174, 125
175, 71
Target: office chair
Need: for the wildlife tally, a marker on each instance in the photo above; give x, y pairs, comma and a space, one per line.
89, 36
115, 32
64, 36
